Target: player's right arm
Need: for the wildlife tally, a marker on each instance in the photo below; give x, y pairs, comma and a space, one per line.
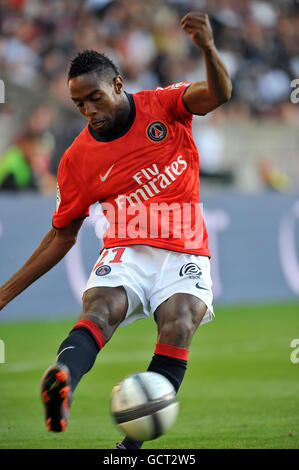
53, 247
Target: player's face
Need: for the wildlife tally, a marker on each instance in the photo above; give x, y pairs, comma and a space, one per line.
98, 100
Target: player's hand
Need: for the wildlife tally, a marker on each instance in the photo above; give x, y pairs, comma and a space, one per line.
198, 26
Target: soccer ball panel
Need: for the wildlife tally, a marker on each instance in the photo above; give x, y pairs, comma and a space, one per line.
141, 429
127, 394
168, 415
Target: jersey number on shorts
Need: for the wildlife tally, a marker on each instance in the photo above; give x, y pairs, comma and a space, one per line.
116, 259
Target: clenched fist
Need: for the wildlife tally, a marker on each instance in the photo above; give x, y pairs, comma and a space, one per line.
198, 26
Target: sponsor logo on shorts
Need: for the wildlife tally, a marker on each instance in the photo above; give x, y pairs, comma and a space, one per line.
192, 270
157, 131
103, 270
200, 287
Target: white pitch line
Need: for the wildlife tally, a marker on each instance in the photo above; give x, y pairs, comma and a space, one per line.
109, 358
22, 366
127, 357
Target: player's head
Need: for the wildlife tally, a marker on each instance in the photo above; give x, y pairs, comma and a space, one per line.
96, 88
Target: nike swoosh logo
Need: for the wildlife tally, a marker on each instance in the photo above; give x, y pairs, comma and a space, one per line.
103, 178
69, 347
200, 287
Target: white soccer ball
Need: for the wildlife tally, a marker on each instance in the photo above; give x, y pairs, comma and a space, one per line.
144, 405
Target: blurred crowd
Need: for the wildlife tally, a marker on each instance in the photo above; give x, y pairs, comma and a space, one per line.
257, 39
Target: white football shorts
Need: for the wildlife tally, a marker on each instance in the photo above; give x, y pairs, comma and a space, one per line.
151, 275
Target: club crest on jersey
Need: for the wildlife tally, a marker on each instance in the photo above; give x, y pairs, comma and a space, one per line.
192, 270
157, 131
103, 270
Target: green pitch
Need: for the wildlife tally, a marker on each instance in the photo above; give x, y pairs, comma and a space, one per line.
241, 389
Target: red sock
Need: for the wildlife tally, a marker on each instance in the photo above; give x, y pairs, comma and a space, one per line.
172, 351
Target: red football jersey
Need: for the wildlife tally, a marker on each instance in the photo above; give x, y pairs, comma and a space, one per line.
146, 178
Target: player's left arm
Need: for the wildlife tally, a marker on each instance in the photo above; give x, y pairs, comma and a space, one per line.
202, 97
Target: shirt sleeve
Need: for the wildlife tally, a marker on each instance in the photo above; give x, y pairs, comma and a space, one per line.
171, 99
71, 202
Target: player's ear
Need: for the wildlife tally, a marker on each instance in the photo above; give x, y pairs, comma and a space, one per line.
118, 84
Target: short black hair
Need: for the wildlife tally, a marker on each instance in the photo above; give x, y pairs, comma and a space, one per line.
90, 61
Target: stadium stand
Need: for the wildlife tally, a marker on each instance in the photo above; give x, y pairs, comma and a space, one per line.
257, 39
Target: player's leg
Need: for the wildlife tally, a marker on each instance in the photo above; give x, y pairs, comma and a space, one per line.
103, 310
177, 320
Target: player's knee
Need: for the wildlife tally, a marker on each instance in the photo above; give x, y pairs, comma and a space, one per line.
176, 330
106, 307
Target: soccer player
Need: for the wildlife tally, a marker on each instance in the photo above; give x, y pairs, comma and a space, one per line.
136, 154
